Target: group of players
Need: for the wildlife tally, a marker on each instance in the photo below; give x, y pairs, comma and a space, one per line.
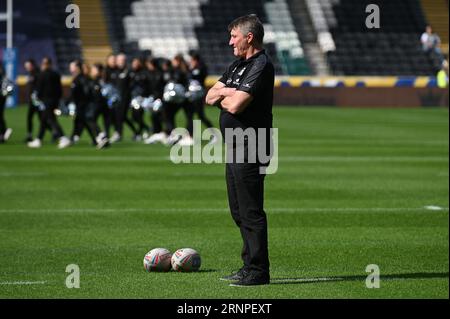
105, 98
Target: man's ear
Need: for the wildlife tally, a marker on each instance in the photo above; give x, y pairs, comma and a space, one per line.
249, 37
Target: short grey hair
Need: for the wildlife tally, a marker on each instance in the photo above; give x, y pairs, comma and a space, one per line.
249, 23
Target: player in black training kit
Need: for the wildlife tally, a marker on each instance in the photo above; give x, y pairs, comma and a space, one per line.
5, 132
123, 86
33, 75
49, 93
245, 95
110, 77
139, 88
199, 72
102, 108
156, 80
179, 73
82, 96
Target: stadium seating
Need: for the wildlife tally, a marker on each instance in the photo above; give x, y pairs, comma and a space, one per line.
302, 36
115, 11
32, 36
436, 12
93, 31
168, 27
213, 35
281, 31
66, 41
394, 49
164, 26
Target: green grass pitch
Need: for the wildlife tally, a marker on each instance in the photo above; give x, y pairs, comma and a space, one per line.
351, 190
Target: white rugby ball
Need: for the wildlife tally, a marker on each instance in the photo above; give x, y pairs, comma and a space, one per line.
157, 259
186, 260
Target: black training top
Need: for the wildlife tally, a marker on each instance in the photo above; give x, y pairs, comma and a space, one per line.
80, 91
49, 88
255, 76
200, 73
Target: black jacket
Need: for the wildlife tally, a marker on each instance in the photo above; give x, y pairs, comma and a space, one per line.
32, 82
95, 87
178, 76
123, 86
156, 84
111, 75
49, 88
80, 91
139, 83
199, 73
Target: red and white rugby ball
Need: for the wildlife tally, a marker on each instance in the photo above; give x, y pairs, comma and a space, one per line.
186, 260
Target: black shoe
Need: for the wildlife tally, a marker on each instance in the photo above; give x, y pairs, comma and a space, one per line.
241, 273
252, 279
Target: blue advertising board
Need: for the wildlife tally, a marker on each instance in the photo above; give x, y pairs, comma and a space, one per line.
10, 58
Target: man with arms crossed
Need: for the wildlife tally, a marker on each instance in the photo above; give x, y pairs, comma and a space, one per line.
245, 96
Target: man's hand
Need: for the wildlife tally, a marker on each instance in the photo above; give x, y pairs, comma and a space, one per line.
214, 96
237, 102
227, 92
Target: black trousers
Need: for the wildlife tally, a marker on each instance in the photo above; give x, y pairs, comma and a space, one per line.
48, 120
157, 119
199, 108
2, 115
106, 113
138, 118
122, 117
83, 120
32, 110
245, 186
171, 111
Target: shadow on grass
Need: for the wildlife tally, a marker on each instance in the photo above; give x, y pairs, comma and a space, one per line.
206, 270
201, 271
420, 275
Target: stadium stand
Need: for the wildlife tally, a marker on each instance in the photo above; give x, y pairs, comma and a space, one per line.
170, 28
305, 30
392, 50
436, 12
93, 31
303, 37
281, 31
213, 35
66, 41
115, 12
32, 36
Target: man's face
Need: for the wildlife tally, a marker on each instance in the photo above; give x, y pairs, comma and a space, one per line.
193, 63
45, 65
239, 42
135, 64
111, 61
121, 61
175, 63
73, 68
95, 72
29, 67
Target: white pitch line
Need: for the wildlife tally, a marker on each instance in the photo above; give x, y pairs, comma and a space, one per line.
212, 210
432, 207
21, 283
17, 174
